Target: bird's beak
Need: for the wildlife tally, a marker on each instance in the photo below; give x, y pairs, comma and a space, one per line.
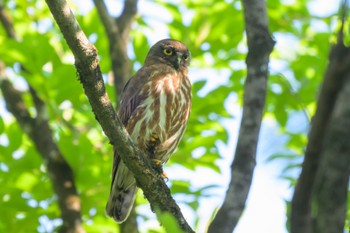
179, 58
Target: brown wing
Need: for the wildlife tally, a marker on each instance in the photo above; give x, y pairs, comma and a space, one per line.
131, 98
132, 94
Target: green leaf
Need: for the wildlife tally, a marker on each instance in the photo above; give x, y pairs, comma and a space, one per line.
26, 181
15, 136
168, 222
2, 125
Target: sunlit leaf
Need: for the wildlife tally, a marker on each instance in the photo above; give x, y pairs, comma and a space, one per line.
26, 181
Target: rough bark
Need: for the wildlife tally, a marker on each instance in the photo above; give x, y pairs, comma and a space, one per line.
301, 208
86, 62
332, 180
301, 218
260, 45
118, 33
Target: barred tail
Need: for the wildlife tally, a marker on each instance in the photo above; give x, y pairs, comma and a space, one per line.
123, 193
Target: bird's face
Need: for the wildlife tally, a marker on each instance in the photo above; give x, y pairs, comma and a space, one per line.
171, 52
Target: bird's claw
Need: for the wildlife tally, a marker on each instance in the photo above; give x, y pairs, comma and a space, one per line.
157, 165
154, 137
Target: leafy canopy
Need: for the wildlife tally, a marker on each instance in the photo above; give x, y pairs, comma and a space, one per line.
214, 33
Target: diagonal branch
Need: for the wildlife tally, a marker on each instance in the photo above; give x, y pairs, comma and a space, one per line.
86, 62
125, 20
6, 21
260, 45
118, 32
108, 21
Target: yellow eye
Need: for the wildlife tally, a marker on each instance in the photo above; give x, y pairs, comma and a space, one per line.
186, 57
168, 52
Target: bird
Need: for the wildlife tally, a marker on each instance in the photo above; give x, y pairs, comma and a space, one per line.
154, 108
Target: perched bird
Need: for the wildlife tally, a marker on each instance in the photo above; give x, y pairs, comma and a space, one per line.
154, 108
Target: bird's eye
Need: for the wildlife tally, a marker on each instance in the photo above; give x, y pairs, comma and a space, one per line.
168, 52
186, 57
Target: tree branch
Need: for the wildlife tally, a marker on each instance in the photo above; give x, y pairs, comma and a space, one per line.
125, 20
118, 32
6, 21
332, 180
260, 45
58, 169
86, 63
39, 132
339, 61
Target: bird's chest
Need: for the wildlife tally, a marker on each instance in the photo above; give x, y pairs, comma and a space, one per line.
173, 101
163, 114
173, 98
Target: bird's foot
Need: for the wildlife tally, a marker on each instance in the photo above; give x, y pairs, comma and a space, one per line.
154, 137
157, 165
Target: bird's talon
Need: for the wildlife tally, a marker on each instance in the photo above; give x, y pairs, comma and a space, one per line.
157, 165
154, 137
157, 162
165, 176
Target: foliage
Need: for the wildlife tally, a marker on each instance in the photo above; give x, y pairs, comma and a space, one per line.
214, 33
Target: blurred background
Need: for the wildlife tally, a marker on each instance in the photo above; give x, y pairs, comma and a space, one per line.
199, 172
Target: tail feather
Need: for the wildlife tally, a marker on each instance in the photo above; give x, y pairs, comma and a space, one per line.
123, 193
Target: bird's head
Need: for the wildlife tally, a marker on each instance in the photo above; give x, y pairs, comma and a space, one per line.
171, 52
